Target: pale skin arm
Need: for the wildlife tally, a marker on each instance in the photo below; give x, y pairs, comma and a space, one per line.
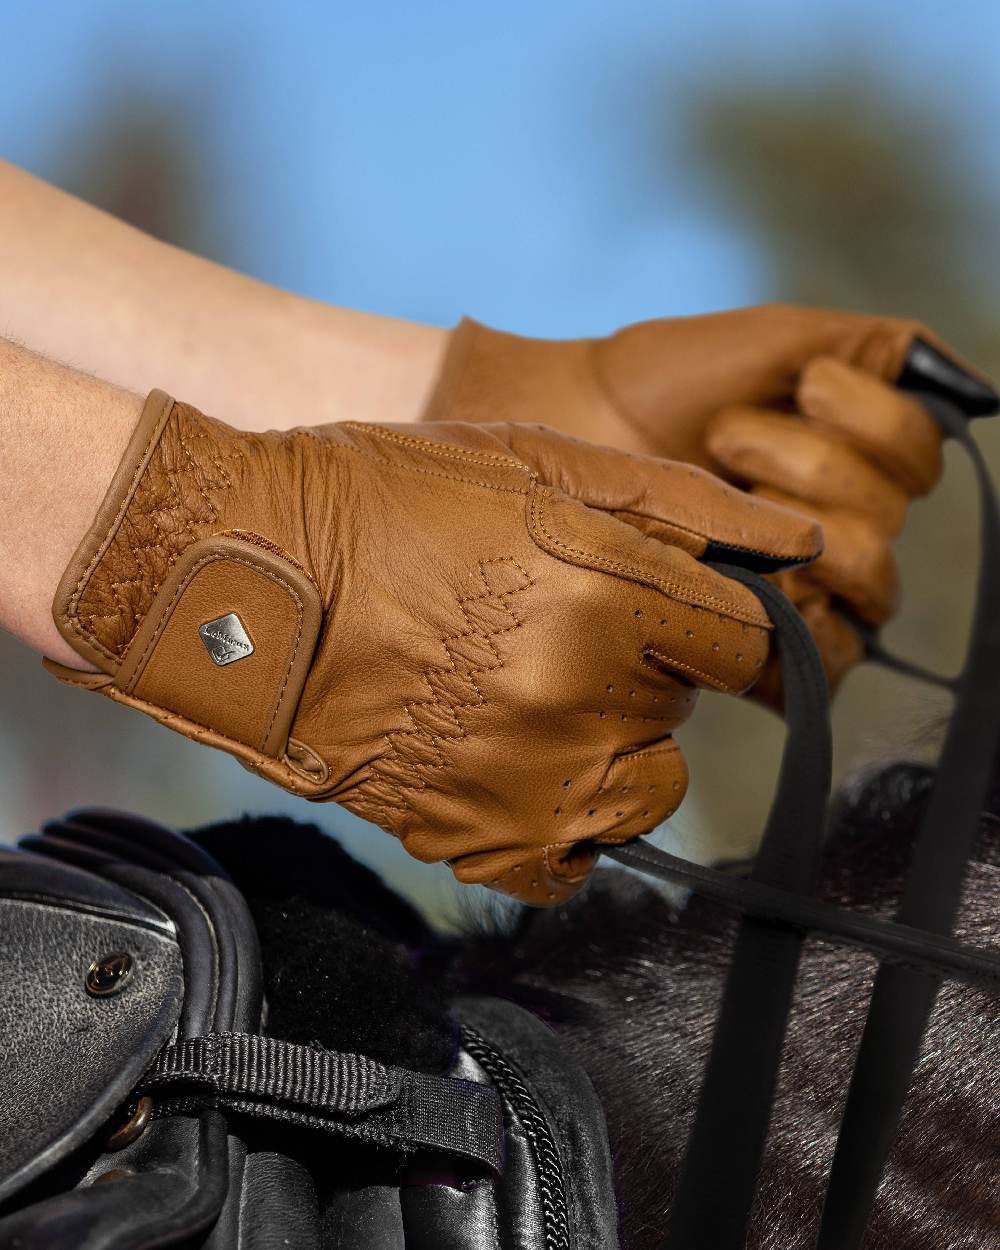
62, 434
82, 287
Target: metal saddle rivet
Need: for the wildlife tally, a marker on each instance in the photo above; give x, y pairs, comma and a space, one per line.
134, 1126
116, 1174
108, 975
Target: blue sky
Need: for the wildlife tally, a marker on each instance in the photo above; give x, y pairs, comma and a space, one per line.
516, 161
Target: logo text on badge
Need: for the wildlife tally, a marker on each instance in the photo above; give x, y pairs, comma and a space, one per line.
226, 640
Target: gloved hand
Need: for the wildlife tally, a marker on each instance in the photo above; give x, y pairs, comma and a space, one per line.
481, 638
797, 404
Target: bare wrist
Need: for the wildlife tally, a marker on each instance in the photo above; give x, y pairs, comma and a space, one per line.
62, 435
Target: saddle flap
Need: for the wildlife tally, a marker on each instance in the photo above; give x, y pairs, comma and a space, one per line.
91, 985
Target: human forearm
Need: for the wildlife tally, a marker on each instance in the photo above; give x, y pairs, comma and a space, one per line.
62, 434
82, 286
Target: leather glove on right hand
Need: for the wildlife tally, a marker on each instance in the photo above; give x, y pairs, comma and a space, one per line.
480, 638
800, 405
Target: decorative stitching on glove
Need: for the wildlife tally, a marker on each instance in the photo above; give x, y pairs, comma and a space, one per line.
73, 618
452, 689
166, 488
445, 450
670, 662
448, 477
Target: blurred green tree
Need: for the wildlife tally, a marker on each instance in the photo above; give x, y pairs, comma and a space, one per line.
858, 196
141, 165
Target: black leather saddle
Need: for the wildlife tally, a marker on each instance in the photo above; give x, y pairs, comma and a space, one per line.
146, 1102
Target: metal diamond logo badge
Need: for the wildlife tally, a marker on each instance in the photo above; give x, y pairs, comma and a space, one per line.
226, 640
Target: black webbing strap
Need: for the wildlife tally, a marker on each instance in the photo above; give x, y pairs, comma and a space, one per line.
350, 1095
719, 1172
903, 998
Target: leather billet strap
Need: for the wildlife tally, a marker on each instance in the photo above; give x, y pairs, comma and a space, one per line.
346, 1094
916, 951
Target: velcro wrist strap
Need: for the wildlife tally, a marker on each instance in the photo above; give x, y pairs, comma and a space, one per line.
211, 632
227, 642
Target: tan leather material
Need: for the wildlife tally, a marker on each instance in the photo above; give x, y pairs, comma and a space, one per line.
475, 636
794, 403
73, 677
680, 372
677, 503
758, 446
857, 564
892, 430
572, 532
488, 375
103, 533
253, 700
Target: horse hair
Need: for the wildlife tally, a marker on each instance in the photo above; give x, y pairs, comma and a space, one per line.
632, 986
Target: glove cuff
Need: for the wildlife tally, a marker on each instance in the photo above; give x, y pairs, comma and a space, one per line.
74, 621
207, 626
491, 376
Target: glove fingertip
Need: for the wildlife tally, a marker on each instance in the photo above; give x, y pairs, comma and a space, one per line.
781, 539
539, 876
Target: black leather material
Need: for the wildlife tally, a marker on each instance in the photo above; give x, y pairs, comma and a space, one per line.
172, 1190
30, 877
226, 1229
929, 371
207, 1179
279, 1207
567, 1099
438, 1217
519, 1196
370, 1216
90, 1051
177, 1173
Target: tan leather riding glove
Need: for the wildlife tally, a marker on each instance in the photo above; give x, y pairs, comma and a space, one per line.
797, 404
481, 638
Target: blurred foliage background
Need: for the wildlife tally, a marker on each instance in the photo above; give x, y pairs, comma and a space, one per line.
556, 173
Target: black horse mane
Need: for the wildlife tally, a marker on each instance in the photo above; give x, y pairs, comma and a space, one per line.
631, 983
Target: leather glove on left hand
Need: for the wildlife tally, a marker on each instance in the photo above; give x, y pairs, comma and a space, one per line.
481, 638
798, 404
